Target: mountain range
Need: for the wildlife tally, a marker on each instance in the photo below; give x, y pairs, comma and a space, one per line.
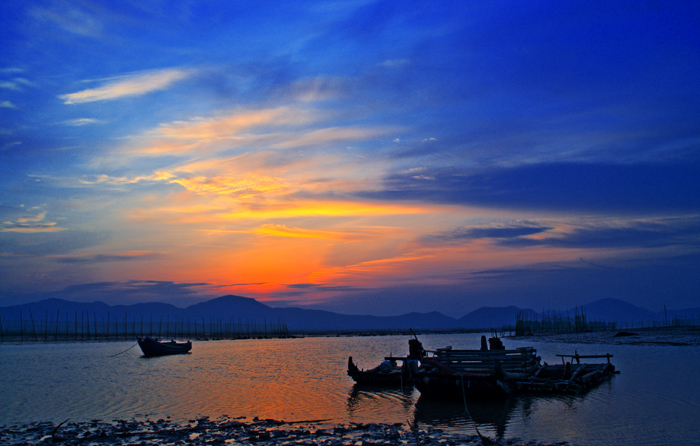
239, 309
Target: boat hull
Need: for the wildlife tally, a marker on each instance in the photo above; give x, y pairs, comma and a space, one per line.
152, 347
458, 387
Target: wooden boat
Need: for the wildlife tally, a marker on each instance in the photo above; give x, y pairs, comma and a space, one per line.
154, 347
473, 375
386, 374
567, 377
389, 373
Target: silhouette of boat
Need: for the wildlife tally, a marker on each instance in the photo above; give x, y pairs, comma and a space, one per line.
494, 373
386, 374
154, 347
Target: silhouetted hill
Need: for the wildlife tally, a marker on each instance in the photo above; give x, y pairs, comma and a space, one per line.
244, 310
494, 317
610, 309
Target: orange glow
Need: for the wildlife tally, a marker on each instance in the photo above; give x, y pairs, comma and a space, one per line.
283, 231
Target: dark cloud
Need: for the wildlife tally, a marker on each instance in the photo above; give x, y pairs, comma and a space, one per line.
646, 188
101, 258
50, 243
471, 233
646, 282
129, 292
657, 234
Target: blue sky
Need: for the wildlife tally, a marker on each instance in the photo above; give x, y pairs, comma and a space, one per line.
358, 156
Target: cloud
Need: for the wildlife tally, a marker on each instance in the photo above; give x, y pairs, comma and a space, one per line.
225, 185
31, 224
586, 187
103, 258
16, 84
283, 231
331, 135
81, 122
503, 232
650, 233
232, 124
7, 104
69, 18
129, 85
135, 291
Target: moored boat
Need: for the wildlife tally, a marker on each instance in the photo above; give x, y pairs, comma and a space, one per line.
495, 373
474, 374
155, 347
387, 374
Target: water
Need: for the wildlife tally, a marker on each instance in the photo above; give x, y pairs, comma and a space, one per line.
654, 401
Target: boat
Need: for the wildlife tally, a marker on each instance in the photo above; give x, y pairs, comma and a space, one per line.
474, 374
387, 374
496, 373
155, 347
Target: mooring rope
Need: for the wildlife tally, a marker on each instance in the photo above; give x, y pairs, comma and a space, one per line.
484, 440
112, 356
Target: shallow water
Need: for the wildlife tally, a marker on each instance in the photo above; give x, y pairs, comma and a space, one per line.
654, 401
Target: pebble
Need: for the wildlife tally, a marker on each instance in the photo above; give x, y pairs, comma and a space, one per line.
204, 431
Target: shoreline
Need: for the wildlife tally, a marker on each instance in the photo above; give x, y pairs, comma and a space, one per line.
204, 431
664, 336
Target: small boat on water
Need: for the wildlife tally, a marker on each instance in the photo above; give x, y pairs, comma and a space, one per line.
389, 373
155, 347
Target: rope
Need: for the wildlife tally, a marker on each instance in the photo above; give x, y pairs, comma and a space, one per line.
484, 440
112, 356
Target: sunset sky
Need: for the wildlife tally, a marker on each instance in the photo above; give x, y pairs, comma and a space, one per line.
364, 157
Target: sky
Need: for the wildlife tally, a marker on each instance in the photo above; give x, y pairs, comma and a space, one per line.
363, 157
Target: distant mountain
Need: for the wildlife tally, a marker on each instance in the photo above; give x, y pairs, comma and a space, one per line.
494, 317
610, 310
243, 310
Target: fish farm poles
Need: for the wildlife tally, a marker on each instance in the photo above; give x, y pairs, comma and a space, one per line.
33, 325
58, 318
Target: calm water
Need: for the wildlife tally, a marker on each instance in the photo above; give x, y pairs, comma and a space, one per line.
654, 401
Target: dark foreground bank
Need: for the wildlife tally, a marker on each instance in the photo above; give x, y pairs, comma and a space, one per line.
204, 431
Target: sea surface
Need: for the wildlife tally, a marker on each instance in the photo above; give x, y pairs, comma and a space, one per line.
655, 400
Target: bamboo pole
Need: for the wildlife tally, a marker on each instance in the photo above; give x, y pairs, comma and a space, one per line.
33, 325
58, 317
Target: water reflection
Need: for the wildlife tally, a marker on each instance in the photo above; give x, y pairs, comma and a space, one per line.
364, 401
492, 416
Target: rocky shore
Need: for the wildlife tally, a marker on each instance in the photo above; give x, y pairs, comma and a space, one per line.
204, 431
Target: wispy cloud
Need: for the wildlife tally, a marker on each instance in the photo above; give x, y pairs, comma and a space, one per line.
112, 257
129, 85
223, 185
284, 231
81, 122
30, 224
16, 84
68, 18
7, 104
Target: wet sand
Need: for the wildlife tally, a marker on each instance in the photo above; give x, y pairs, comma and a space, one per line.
204, 431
